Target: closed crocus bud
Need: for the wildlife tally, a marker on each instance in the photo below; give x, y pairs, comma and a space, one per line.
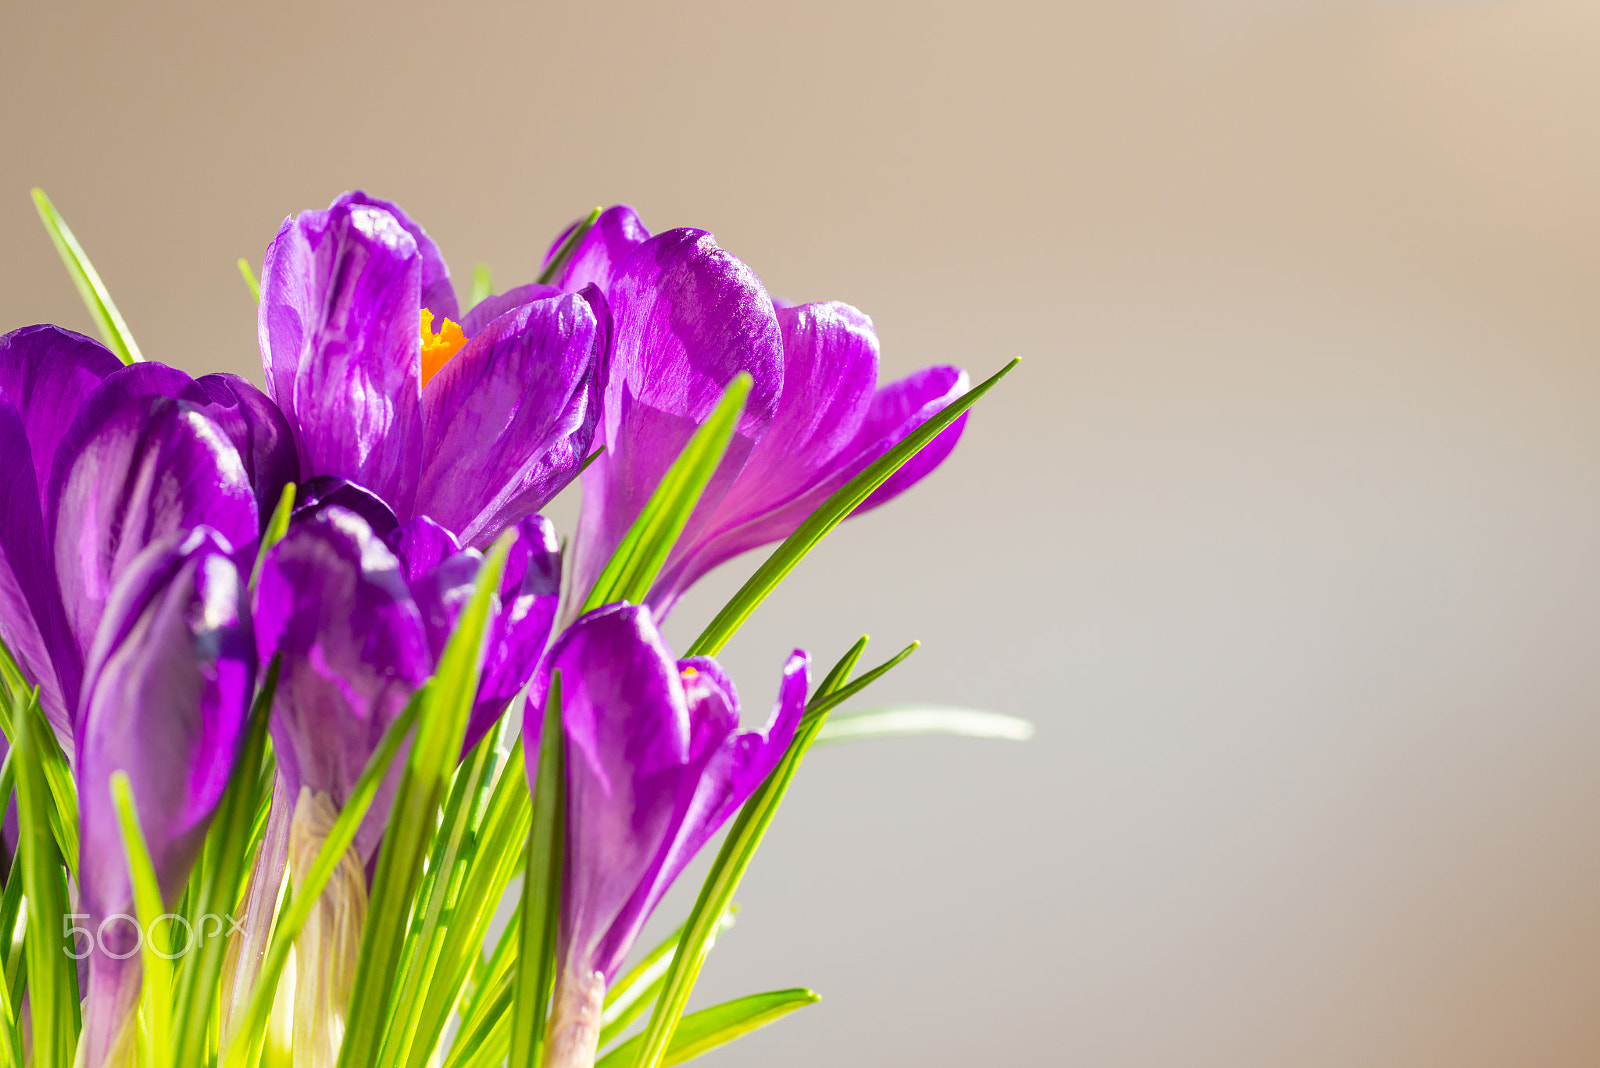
167, 691
656, 764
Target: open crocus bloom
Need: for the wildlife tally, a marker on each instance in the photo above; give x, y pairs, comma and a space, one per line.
474, 420
168, 687
656, 763
99, 461
687, 318
359, 626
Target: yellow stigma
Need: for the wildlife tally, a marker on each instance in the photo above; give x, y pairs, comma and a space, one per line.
438, 348
689, 672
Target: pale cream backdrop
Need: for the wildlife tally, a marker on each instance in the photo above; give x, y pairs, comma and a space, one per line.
1286, 533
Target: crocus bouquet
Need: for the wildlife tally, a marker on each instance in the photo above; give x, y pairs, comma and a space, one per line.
298, 683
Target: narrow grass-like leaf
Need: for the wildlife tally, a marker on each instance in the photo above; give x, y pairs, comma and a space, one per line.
10, 903
485, 1033
722, 881
497, 857
423, 789
534, 976
564, 253
52, 974
482, 284
294, 911
249, 278
632, 569
630, 996
829, 514
155, 988
223, 876
703, 1031
277, 527
93, 291
903, 720
843, 691
60, 812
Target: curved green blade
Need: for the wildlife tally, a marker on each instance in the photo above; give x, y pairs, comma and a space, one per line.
903, 720
93, 291
703, 1031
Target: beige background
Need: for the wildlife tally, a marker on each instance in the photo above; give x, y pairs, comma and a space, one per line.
1287, 534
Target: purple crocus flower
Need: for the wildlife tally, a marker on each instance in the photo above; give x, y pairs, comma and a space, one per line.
656, 763
687, 318
98, 461
165, 698
360, 625
476, 420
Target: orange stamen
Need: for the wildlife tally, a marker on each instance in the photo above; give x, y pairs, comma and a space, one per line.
438, 348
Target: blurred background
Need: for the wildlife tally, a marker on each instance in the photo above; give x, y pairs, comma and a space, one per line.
1286, 533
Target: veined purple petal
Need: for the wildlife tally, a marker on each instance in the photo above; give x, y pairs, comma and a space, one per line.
655, 764
610, 241
332, 601
495, 305
438, 295
830, 370
168, 689
530, 592
508, 421
688, 317
339, 327
132, 470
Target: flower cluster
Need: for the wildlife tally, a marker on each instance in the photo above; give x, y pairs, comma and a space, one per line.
176, 552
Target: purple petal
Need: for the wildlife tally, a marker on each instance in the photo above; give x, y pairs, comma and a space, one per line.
421, 545
688, 317
530, 592
508, 421
438, 295
258, 430
33, 621
492, 307
46, 373
324, 492
897, 410
610, 241
830, 369
331, 600
339, 328
132, 470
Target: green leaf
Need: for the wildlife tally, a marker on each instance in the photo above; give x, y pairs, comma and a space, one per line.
899, 720
482, 285
738, 848
277, 527
829, 514
703, 1031
155, 989
93, 291
441, 729
223, 874
632, 569
484, 1037
52, 974
250, 277
10, 952
564, 253
296, 908
842, 692
535, 971
635, 992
